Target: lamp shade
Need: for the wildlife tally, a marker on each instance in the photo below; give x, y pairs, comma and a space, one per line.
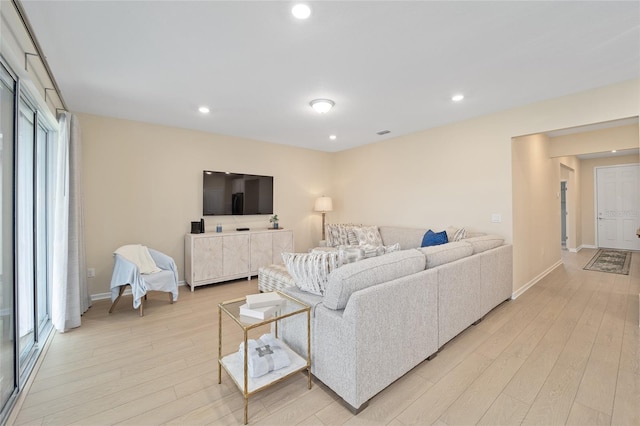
323, 204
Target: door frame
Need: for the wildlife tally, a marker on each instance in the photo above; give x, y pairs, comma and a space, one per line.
595, 195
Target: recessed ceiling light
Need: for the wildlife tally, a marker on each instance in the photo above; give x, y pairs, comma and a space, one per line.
204, 109
301, 11
614, 150
332, 137
457, 98
322, 106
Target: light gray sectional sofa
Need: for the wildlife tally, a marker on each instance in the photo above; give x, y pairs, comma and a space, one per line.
382, 316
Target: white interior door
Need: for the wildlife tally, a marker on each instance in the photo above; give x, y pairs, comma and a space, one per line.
618, 206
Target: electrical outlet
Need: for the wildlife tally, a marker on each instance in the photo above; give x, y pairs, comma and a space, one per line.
91, 273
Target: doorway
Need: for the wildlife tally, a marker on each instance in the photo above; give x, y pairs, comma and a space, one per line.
618, 206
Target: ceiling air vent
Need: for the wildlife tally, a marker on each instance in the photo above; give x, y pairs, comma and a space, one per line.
383, 132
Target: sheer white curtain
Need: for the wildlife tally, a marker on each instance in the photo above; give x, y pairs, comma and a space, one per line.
70, 296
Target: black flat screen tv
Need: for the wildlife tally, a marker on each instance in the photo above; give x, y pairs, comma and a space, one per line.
225, 193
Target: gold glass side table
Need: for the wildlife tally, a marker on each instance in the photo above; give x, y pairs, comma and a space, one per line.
236, 365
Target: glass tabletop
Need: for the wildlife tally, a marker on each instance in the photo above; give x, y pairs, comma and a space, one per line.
289, 306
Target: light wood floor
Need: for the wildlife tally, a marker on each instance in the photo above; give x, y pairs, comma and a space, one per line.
565, 352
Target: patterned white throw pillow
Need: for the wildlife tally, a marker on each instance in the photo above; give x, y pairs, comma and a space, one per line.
351, 236
391, 248
368, 235
460, 235
310, 270
456, 234
337, 234
350, 254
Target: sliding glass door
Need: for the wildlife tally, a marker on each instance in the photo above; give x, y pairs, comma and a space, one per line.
25, 286
7, 313
25, 226
42, 201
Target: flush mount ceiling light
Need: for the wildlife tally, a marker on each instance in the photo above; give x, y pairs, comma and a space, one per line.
301, 11
204, 110
322, 106
457, 98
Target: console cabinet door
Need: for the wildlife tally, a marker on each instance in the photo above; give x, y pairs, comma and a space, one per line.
207, 258
282, 242
261, 250
235, 252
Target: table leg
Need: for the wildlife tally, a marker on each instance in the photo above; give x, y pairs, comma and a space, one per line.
246, 410
246, 379
219, 344
309, 346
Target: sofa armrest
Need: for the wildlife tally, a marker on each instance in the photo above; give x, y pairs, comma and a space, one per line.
379, 319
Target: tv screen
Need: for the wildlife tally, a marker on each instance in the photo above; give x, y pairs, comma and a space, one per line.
225, 193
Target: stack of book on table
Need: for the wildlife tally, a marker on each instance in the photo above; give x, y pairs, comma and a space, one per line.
261, 305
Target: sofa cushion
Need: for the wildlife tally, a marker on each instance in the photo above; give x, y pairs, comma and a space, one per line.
310, 270
344, 281
445, 253
368, 235
434, 238
474, 234
408, 238
485, 242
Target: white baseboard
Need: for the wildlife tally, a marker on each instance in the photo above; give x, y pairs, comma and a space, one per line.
583, 246
102, 296
534, 281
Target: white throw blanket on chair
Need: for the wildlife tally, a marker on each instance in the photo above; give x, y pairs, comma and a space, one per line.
139, 255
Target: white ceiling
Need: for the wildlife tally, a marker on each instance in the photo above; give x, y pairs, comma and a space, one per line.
388, 65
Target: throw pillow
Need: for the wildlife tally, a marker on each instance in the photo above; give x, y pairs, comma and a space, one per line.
351, 237
434, 238
140, 256
456, 234
310, 270
368, 235
460, 235
337, 234
350, 254
391, 248
372, 251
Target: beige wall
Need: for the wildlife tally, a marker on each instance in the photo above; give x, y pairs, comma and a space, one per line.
587, 192
143, 184
462, 173
603, 140
597, 141
536, 205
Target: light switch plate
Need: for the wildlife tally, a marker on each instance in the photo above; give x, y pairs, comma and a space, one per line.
496, 218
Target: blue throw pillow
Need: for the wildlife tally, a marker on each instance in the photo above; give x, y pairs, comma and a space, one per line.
434, 238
